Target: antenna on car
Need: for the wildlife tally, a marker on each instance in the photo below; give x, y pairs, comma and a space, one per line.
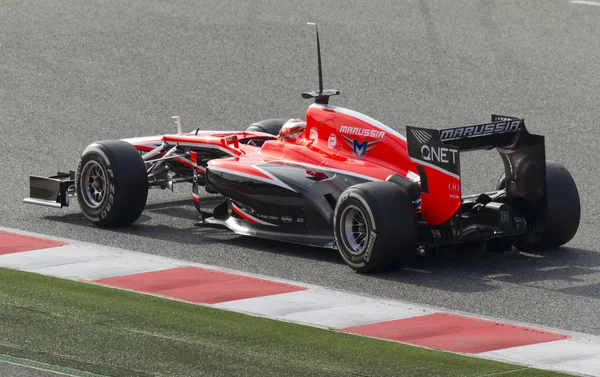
322, 96
318, 57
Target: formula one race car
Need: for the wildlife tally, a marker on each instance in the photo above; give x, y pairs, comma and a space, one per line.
336, 179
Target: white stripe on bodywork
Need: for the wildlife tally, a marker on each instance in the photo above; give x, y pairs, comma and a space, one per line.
252, 217
201, 145
272, 181
142, 141
319, 167
360, 116
274, 178
410, 175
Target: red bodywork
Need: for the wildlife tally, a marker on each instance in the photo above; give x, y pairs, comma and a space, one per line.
336, 139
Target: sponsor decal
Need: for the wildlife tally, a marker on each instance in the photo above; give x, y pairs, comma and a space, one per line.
267, 217
286, 219
432, 153
481, 129
425, 147
111, 199
439, 154
332, 141
360, 131
453, 186
356, 258
370, 244
361, 148
299, 220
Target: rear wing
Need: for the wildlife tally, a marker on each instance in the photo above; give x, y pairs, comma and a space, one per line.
436, 154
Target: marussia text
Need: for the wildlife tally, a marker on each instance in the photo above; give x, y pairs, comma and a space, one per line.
482, 129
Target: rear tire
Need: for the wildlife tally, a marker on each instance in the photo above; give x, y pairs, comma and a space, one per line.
563, 210
269, 126
111, 183
375, 226
501, 184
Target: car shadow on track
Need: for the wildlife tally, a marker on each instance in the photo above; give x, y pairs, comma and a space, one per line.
198, 236
563, 269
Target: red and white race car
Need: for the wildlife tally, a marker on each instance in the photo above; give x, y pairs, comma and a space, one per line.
337, 179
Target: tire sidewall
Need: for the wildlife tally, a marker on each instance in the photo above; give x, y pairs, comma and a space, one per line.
563, 211
127, 183
103, 212
367, 257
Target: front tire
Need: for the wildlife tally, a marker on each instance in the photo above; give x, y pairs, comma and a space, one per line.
375, 226
111, 183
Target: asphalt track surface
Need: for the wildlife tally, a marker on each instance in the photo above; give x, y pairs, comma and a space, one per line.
12, 370
74, 72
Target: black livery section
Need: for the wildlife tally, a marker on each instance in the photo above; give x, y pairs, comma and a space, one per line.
520, 207
51, 191
523, 155
426, 147
300, 205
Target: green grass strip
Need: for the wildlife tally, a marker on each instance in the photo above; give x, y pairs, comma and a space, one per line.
118, 333
46, 367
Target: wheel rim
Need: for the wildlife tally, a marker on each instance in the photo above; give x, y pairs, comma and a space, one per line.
355, 230
93, 184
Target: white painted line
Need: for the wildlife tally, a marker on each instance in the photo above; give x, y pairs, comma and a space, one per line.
571, 356
586, 367
103, 268
544, 354
340, 317
54, 256
584, 2
290, 303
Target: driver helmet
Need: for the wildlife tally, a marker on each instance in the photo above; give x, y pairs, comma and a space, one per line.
291, 130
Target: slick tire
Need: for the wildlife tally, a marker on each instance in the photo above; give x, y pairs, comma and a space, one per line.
563, 210
111, 183
501, 184
270, 126
375, 226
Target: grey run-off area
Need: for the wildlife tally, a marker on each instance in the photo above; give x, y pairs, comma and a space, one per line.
72, 73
